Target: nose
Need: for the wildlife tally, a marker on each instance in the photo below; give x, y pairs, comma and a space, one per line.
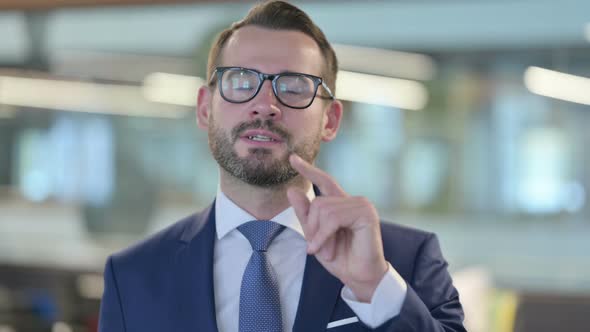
265, 104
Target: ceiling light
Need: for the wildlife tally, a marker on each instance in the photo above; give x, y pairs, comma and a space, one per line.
80, 97
558, 85
386, 62
172, 88
379, 90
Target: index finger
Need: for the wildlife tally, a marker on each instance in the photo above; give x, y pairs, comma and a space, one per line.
323, 180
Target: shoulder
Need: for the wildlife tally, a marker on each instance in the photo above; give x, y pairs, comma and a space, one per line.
403, 246
155, 245
406, 235
159, 247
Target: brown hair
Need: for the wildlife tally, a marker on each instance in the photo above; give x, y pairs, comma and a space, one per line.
279, 15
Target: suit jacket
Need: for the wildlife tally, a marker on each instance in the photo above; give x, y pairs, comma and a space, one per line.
165, 284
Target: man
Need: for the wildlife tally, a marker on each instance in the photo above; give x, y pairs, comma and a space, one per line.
273, 253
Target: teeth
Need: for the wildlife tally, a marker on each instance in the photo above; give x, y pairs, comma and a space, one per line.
260, 138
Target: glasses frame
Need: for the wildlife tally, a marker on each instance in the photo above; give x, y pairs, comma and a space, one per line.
273, 78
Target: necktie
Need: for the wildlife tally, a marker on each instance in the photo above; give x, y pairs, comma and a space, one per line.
260, 306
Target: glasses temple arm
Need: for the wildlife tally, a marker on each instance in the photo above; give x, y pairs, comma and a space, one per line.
328, 89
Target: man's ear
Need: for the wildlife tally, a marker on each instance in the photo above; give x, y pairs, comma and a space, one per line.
332, 118
203, 107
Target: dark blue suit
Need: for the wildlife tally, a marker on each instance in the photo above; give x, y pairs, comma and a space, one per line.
165, 284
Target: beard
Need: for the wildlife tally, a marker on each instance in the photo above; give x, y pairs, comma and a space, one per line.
259, 167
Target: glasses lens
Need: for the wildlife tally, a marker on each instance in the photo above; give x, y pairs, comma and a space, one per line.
239, 85
295, 90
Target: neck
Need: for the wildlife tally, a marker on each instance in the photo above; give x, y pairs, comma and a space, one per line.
261, 202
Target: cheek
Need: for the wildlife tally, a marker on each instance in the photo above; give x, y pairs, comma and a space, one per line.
225, 117
305, 127
307, 118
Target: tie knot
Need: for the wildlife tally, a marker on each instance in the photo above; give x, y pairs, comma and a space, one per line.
260, 233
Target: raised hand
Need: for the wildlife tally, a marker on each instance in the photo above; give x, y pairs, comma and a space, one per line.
342, 231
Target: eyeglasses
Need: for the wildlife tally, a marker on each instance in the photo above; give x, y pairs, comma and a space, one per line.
296, 90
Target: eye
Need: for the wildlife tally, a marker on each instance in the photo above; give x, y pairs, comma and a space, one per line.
295, 85
239, 80
291, 89
241, 84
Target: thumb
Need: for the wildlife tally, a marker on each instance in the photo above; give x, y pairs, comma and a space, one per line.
300, 204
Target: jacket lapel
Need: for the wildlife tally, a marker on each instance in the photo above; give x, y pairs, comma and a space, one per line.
319, 293
195, 310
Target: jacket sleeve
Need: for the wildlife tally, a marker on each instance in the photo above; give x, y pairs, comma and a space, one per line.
111, 311
432, 302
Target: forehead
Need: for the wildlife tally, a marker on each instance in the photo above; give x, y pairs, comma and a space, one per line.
272, 51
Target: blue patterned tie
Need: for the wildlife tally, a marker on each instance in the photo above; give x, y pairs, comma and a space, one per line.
260, 306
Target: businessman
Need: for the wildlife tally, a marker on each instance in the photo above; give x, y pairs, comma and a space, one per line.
283, 247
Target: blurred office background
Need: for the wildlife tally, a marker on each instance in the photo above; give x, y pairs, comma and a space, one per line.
466, 118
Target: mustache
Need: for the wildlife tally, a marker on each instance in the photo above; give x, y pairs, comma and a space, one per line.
259, 124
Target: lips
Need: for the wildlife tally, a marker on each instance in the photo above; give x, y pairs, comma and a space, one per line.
259, 135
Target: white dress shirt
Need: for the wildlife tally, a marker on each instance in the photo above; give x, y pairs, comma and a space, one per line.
287, 254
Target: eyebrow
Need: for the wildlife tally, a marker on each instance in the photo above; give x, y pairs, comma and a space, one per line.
284, 71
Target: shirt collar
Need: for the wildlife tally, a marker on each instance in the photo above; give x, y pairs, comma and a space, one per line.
229, 216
